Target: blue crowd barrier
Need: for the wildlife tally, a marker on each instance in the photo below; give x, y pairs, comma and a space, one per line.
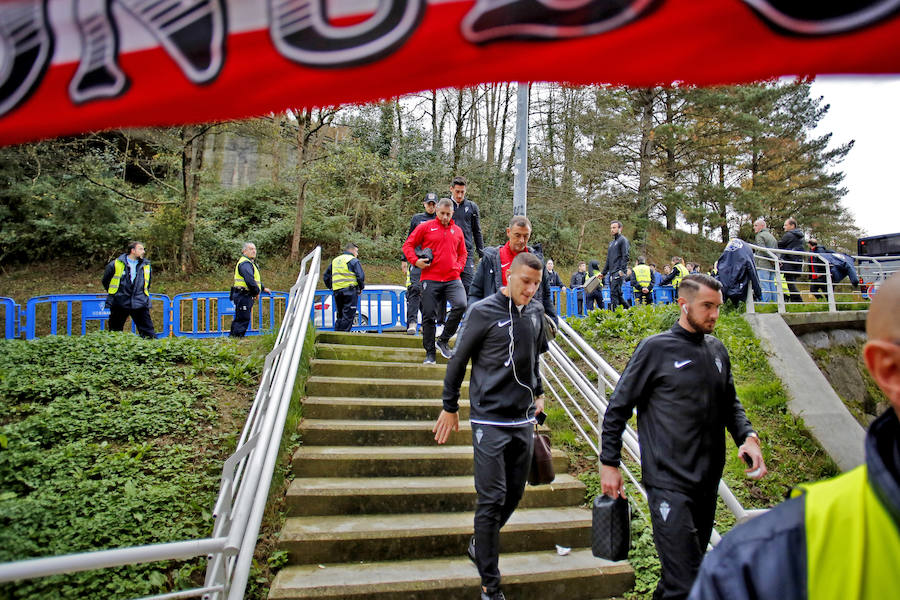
663, 294
208, 312
85, 309
10, 317
376, 310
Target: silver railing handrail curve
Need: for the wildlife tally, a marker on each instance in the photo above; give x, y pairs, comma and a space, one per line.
246, 475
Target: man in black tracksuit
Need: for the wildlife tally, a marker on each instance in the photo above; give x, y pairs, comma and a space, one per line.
681, 383
616, 264
792, 265
504, 336
492, 271
468, 218
414, 289
127, 282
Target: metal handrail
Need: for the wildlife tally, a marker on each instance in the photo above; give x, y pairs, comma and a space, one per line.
246, 475
586, 404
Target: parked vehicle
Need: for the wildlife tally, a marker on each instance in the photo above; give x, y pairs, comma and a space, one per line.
379, 305
878, 258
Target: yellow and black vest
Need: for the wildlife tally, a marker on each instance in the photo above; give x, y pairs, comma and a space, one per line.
643, 275
239, 279
852, 542
682, 273
119, 267
341, 275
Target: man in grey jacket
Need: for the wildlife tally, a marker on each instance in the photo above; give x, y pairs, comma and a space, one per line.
765, 267
504, 336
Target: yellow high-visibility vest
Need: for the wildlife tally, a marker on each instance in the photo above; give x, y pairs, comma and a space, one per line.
682, 273
239, 279
341, 275
852, 542
119, 267
643, 275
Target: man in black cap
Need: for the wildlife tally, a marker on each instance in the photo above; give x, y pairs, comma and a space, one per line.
413, 283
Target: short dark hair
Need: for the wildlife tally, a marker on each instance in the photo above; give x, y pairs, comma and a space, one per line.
131, 246
690, 285
529, 260
581, 262
619, 223
792, 221
349, 246
642, 259
520, 221
677, 259
458, 180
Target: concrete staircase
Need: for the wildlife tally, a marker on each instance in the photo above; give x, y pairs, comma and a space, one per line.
378, 510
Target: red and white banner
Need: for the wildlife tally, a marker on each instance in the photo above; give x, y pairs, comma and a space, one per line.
69, 66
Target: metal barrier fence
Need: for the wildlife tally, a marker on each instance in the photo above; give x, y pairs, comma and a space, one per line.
10, 317
246, 475
376, 310
810, 281
87, 310
209, 310
585, 404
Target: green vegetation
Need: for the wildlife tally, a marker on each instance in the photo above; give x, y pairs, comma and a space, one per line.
110, 440
791, 454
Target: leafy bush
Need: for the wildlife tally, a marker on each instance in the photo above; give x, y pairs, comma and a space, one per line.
111, 440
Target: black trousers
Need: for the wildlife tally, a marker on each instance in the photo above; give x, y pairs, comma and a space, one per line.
139, 316
819, 287
682, 525
344, 308
502, 460
413, 296
642, 298
243, 308
435, 295
468, 273
792, 273
615, 291
594, 298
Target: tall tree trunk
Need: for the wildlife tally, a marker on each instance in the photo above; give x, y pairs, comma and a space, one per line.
646, 98
671, 170
191, 165
506, 96
723, 202
435, 133
458, 134
304, 121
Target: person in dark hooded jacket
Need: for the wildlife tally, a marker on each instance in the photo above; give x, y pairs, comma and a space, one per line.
792, 265
737, 270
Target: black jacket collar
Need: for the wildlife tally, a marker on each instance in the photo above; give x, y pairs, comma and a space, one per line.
692, 336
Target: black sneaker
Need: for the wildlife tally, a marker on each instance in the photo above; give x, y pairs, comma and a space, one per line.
444, 347
470, 549
495, 595
429, 359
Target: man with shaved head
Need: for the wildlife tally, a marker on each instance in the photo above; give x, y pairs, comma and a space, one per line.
838, 538
680, 382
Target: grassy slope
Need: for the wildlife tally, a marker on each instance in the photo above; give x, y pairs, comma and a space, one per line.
791, 454
111, 440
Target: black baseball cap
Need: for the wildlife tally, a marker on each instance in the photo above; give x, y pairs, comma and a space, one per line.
430, 197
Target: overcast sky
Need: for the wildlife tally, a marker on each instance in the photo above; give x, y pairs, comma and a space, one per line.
866, 109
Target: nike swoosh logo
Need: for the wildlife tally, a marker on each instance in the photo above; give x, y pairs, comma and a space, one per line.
679, 364
433, 229
504, 323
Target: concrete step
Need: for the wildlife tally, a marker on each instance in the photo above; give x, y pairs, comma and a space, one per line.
398, 461
377, 353
354, 432
540, 575
380, 387
328, 367
324, 407
390, 495
359, 338
347, 538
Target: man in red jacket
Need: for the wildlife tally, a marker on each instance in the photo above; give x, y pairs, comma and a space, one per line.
440, 275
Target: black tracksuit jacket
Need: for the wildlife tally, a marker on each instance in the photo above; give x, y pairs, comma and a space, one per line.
468, 217
484, 336
616, 255
682, 387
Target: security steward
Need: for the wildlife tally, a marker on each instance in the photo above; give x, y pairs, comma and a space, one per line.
681, 383
127, 283
504, 335
345, 278
245, 289
679, 272
838, 538
642, 282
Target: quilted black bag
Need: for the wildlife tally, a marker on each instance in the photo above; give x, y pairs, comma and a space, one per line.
610, 528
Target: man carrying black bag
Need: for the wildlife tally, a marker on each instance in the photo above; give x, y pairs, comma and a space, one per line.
504, 336
680, 381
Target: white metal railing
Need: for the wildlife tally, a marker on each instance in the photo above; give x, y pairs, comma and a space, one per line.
585, 403
246, 475
787, 278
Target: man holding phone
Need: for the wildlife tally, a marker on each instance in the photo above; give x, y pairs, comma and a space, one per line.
680, 382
